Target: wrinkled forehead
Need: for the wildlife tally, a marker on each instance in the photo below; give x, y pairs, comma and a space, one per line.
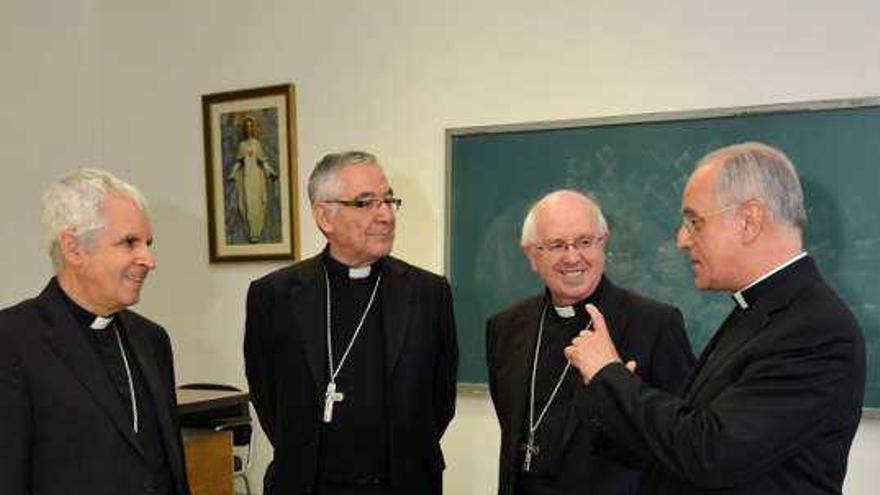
117, 210
363, 180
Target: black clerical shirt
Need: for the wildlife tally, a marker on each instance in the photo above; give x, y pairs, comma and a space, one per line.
354, 445
104, 343
549, 437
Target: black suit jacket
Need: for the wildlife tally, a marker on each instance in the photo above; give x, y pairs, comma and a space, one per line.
644, 330
286, 362
773, 411
63, 428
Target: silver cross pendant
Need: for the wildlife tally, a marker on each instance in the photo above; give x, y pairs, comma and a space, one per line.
331, 396
530, 450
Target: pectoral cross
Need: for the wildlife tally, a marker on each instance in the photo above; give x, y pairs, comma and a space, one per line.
530, 449
331, 396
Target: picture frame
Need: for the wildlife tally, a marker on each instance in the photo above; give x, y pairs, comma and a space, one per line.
251, 174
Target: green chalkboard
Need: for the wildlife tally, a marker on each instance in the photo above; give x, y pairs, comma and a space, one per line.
637, 167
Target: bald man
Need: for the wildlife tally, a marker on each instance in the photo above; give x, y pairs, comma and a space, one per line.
545, 447
777, 395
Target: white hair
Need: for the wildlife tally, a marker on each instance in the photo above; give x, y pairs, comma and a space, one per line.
757, 171
73, 202
324, 181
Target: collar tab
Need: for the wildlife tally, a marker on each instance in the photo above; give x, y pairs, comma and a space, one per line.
564, 311
359, 272
100, 322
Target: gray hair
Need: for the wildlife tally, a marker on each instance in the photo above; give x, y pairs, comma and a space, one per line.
759, 172
529, 227
73, 202
324, 181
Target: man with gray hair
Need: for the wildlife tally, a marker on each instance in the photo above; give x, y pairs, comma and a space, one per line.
546, 448
777, 395
87, 386
351, 355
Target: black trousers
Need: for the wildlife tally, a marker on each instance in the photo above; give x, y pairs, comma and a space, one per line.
535, 486
337, 488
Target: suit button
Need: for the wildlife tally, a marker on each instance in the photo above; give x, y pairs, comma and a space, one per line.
149, 487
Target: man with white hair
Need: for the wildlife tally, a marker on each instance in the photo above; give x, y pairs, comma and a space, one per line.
351, 355
87, 386
777, 395
546, 448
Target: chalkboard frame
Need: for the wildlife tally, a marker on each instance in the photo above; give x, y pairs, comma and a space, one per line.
644, 118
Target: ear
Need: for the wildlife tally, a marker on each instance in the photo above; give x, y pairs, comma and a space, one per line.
323, 216
531, 253
70, 248
754, 218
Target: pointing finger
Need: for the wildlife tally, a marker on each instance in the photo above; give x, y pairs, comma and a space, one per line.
597, 321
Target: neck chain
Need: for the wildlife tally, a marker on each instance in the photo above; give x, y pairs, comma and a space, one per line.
331, 396
134, 411
530, 448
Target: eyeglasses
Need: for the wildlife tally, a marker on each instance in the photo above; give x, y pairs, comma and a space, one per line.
693, 223
582, 244
368, 203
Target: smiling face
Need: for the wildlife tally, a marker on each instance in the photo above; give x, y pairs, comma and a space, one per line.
711, 241
573, 273
107, 275
358, 236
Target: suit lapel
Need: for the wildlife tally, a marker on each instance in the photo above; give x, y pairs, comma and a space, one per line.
146, 360
397, 305
611, 304
746, 327
67, 342
308, 313
704, 356
397, 299
778, 292
523, 334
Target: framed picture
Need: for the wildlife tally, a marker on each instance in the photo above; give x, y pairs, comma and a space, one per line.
250, 171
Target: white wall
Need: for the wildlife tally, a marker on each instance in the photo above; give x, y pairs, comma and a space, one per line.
120, 81
49, 96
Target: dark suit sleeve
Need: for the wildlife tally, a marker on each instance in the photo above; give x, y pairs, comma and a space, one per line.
167, 371
670, 364
15, 425
258, 363
491, 344
490, 353
764, 415
446, 371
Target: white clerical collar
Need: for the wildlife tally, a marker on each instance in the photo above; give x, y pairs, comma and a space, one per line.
564, 311
359, 272
738, 295
100, 322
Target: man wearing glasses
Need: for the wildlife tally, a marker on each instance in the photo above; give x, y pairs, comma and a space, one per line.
546, 449
351, 355
777, 395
